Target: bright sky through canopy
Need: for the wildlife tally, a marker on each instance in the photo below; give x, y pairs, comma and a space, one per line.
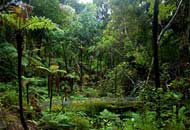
85, 1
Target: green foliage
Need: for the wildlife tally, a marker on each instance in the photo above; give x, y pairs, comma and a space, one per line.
8, 59
81, 123
10, 19
8, 50
106, 115
48, 9
172, 117
39, 23
69, 15
109, 120
31, 24
121, 80
90, 107
9, 99
106, 47
180, 84
53, 69
166, 9
91, 92
146, 121
73, 76
54, 121
78, 97
6, 86
177, 121
76, 5
68, 120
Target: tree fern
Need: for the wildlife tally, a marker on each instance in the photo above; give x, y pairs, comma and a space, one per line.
39, 23
31, 24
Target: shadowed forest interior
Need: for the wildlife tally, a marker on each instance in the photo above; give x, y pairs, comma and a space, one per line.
95, 65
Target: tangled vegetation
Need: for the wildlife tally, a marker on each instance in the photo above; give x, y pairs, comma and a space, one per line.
102, 65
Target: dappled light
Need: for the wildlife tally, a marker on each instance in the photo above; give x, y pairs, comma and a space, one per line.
94, 65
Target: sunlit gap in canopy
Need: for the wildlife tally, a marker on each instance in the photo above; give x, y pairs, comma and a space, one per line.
85, 1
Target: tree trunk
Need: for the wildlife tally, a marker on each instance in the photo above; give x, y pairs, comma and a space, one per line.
155, 56
51, 95
155, 45
188, 24
115, 82
81, 69
27, 93
65, 58
19, 40
49, 78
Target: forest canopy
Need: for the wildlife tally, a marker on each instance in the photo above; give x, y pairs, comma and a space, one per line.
96, 65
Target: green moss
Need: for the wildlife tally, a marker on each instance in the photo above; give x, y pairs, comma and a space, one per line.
94, 106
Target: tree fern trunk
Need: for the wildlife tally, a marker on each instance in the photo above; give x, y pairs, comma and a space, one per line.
19, 39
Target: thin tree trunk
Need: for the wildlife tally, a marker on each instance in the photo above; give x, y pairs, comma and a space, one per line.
65, 59
115, 82
188, 21
27, 93
51, 93
57, 83
155, 56
155, 45
81, 69
19, 39
49, 78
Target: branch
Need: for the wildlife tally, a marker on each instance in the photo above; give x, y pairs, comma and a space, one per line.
162, 33
170, 22
148, 77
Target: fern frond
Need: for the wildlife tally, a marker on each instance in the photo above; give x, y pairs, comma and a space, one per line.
39, 23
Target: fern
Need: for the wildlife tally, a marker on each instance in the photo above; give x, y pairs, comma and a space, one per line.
39, 23
8, 50
10, 19
52, 69
31, 24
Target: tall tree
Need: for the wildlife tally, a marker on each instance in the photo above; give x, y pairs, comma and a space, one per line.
155, 44
155, 54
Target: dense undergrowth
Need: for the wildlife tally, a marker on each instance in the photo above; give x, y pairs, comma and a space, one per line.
87, 111
66, 65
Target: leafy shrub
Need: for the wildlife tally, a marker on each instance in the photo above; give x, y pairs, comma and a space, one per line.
54, 121
109, 120
81, 123
61, 121
91, 92
6, 86
177, 121
9, 98
119, 81
171, 117
78, 96
8, 55
181, 85
146, 121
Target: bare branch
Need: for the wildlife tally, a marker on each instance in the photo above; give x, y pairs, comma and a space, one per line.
170, 22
